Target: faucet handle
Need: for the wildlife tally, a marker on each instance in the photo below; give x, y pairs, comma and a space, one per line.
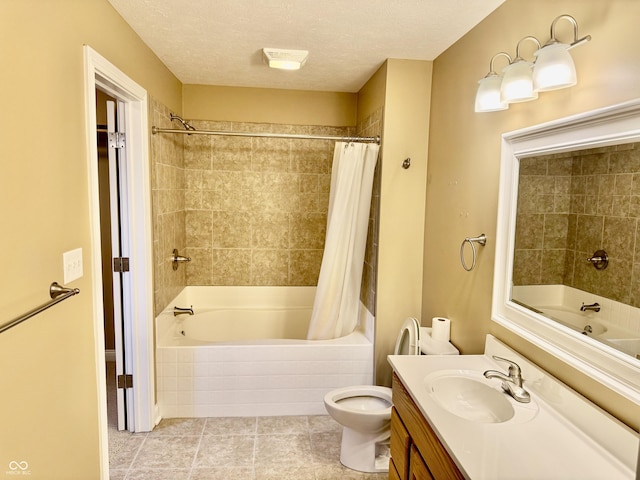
514, 369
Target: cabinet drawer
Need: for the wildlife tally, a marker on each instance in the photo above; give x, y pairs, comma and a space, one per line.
400, 445
441, 465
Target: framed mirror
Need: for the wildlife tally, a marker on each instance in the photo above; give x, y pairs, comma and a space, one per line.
567, 273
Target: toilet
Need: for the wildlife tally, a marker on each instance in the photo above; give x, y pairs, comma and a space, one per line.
364, 411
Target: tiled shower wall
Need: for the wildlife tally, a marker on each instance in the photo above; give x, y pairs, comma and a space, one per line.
247, 210
372, 127
256, 208
569, 206
168, 212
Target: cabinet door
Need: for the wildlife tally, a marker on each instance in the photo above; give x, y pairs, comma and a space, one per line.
418, 469
400, 445
393, 472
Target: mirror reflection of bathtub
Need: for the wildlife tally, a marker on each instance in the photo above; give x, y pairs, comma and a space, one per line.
614, 324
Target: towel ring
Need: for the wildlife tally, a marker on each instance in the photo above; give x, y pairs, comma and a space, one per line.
482, 240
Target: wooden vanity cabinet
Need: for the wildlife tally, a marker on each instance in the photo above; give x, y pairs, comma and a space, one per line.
416, 452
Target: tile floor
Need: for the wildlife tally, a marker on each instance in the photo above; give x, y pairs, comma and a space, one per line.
239, 448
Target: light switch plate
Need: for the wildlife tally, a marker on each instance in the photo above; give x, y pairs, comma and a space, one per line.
72, 262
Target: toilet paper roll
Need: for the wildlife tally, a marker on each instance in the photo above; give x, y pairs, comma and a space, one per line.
441, 329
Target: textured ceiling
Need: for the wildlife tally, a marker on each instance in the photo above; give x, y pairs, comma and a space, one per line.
219, 42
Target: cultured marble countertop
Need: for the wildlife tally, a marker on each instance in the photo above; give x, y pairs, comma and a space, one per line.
559, 435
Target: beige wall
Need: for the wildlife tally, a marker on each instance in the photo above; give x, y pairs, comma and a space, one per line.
464, 155
49, 404
268, 105
402, 193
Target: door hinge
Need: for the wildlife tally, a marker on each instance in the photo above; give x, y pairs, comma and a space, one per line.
125, 381
116, 139
121, 264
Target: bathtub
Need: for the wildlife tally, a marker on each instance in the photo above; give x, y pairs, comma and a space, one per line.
244, 353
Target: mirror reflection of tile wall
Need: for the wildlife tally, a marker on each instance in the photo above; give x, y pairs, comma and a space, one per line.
572, 204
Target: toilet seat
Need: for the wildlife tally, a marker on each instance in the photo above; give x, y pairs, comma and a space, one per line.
407, 342
364, 399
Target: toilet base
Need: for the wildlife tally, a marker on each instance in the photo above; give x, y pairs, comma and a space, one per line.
365, 452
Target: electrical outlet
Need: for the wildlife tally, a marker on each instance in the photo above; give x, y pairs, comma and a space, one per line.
72, 262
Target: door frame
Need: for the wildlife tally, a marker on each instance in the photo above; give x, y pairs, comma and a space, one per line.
100, 73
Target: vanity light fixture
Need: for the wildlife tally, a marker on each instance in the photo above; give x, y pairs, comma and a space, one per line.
517, 83
552, 69
285, 59
488, 98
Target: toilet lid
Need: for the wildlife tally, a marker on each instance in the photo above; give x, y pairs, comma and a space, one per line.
407, 342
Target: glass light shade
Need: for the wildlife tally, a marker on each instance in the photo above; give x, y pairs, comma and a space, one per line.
285, 64
554, 68
517, 84
488, 95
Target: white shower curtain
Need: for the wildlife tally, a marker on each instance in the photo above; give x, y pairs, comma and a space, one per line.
335, 309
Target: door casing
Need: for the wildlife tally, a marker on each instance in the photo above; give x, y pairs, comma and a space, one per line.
100, 73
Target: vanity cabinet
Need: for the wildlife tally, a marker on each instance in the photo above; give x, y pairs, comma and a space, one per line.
416, 452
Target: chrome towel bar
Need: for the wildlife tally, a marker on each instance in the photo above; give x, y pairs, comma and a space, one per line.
57, 292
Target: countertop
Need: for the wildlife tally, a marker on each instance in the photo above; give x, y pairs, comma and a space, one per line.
559, 435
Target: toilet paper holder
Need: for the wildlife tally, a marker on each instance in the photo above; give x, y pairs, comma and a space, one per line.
482, 240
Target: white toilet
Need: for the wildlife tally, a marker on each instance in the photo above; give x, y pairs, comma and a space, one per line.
364, 411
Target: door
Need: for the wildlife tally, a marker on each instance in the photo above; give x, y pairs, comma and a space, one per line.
119, 248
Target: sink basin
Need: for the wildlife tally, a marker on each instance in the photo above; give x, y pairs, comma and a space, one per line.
469, 397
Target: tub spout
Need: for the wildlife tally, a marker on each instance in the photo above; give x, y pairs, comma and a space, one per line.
594, 307
182, 311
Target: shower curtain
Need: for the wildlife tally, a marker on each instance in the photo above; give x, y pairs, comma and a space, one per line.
335, 308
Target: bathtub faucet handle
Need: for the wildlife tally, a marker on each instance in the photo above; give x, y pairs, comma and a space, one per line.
176, 258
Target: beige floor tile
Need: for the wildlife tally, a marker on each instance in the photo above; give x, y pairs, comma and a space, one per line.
325, 447
179, 427
123, 447
323, 423
285, 472
117, 474
223, 473
167, 452
339, 472
230, 426
292, 424
159, 474
283, 449
226, 451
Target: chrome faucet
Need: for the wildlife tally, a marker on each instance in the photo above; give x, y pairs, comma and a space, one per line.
593, 306
511, 383
182, 311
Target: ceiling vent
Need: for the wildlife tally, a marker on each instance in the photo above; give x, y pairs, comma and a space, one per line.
285, 59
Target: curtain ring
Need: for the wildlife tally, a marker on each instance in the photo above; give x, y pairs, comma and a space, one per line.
482, 240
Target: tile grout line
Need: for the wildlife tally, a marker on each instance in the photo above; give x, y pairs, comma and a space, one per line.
135, 457
195, 456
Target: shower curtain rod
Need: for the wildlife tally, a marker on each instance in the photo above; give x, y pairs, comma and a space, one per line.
156, 130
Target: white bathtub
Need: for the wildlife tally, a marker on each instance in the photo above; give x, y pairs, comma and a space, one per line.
244, 353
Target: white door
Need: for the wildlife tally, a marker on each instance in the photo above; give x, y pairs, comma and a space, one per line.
120, 252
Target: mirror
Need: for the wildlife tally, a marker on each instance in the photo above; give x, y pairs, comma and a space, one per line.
575, 242
567, 274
